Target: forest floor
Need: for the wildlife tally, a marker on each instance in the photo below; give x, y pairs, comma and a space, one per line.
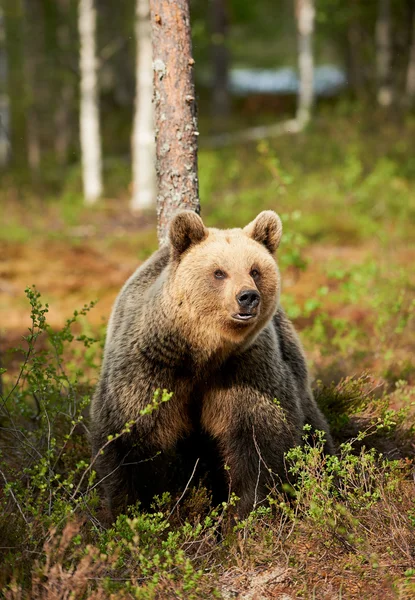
74, 265
346, 193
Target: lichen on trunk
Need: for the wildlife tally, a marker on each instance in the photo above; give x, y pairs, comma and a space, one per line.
175, 111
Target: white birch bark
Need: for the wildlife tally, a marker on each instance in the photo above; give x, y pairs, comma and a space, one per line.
384, 53
410, 74
89, 103
143, 138
305, 26
4, 98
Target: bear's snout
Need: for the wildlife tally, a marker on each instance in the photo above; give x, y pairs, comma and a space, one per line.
248, 299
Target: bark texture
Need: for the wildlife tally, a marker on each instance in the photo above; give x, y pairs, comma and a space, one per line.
305, 24
384, 53
175, 111
89, 103
143, 142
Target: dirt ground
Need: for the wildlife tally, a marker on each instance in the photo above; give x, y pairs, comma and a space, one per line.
74, 265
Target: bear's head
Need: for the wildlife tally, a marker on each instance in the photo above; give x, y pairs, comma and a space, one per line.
224, 284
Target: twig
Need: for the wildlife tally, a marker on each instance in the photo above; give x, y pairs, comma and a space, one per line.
36, 399
259, 468
91, 464
14, 498
184, 491
122, 464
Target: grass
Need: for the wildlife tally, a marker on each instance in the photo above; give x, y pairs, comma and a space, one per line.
346, 191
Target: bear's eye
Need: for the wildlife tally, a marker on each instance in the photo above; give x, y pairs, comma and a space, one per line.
219, 274
254, 274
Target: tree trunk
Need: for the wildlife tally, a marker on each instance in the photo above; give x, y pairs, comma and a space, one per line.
383, 53
63, 123
143, 142
220, 62
356, 78
32, 44
410, 74
13, 13
4, 98
175, 108
305, 25
89, 104
65, 87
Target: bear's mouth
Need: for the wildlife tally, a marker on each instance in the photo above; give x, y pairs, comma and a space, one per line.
243, 316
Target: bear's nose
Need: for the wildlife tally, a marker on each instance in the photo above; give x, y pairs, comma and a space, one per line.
248, 299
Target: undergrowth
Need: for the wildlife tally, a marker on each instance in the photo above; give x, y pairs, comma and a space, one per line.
351, 516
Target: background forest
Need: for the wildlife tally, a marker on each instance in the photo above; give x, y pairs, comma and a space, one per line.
306, 107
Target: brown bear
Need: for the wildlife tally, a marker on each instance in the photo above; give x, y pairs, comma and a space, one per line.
201, 319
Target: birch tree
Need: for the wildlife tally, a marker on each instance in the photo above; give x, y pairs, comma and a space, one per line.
89, 103
175, 111
383, 53
143, 139
410, 73
305, 16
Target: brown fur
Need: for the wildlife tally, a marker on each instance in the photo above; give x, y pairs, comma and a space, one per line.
175, 326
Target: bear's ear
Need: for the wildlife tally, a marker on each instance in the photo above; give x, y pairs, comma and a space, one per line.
186, 229
266, 229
